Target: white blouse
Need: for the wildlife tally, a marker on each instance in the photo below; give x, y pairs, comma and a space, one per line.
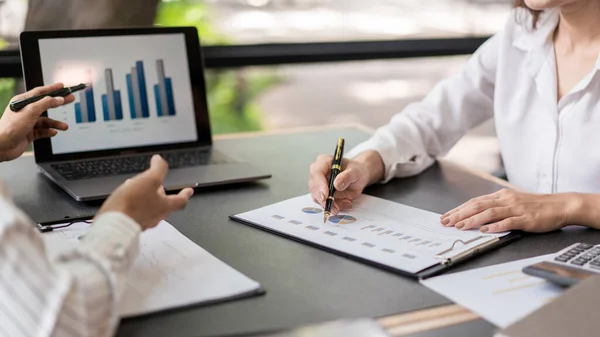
546, 146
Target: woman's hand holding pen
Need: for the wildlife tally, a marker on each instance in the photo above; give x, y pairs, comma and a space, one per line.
18, 130
356, 174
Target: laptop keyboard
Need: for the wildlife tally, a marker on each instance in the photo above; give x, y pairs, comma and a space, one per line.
97, 168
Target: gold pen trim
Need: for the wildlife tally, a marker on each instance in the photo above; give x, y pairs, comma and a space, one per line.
338, 167
338, 150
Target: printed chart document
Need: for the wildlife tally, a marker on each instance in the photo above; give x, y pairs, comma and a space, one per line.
387, 233
170, 271
501, 294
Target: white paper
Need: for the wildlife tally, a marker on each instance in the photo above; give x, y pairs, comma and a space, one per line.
171, 271
396, 235
501, 294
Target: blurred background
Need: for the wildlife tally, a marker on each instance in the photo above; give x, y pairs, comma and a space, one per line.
271, 95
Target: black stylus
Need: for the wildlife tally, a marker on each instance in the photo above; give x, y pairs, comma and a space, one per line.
20, 104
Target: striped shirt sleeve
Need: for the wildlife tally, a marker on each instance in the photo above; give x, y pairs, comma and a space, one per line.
78, 293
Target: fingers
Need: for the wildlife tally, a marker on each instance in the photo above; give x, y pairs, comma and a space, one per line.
339, 205
157, 171
37, 108
469, 210
38, 91
346, 178
513, 223
488, 216
179, 201
44, 133
474, 200
318, 183
335, 209
49, 123
69, 99
344, 204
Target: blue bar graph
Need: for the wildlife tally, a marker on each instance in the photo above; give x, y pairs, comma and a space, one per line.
130, 95
78, 117
111, 101
85, 111
163, 92
170, 101
117, 104
136, 89
158, 103
138, 94
91, 109
142, 82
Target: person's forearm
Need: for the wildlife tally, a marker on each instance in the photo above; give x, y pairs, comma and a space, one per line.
99, 266
372, 159
583, 209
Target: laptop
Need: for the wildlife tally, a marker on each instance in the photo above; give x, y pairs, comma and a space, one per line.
147, 96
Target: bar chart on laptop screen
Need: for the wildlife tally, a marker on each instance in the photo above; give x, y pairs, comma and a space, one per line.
139, 91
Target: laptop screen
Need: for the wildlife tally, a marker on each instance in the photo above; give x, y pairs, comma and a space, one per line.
140, 93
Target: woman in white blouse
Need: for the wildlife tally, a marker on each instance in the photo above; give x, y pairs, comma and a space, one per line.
540, 80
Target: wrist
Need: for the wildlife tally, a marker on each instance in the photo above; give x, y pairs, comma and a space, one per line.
373, 163
119, 216
583, 209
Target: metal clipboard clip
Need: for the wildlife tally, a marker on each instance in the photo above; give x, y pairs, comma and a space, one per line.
468, 252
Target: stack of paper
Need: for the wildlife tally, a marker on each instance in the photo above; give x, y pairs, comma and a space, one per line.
171, 271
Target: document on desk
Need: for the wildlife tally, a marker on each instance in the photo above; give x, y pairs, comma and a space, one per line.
171, 271
386, 233
501, 294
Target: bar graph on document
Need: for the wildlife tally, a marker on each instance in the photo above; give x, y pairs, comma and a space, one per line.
386, 232
136, 90
163, 92
85, 109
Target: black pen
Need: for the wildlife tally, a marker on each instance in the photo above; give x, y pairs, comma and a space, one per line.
62, 92
336, 168
49, 226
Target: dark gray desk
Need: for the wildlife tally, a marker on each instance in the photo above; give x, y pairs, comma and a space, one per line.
304, 285
478, 328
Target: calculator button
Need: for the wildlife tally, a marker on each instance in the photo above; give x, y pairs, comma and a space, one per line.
561, 259
578, 262
584, 246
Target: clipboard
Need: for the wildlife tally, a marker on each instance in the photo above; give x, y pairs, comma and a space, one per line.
445, 264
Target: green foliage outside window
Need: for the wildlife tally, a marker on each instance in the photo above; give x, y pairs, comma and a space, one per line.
7, 88
231, 93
